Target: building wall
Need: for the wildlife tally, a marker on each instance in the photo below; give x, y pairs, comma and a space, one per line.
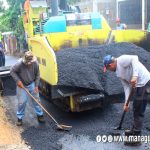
130, 12
106, 7
148, 11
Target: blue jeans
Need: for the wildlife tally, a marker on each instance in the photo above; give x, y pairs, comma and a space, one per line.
23, 98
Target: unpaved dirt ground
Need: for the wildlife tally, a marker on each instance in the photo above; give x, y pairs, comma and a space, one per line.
10, 138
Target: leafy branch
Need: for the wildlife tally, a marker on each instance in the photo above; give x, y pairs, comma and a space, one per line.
11, 20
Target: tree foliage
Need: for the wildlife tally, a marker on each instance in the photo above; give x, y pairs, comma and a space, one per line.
11, 2
11, 19
1, 7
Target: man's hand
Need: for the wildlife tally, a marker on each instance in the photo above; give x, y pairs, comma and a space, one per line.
36, 90
133, 81
20, 84
125, 107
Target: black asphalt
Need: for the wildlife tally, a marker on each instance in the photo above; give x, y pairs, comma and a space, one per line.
83, 67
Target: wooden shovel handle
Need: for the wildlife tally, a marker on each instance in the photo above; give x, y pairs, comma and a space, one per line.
40, 105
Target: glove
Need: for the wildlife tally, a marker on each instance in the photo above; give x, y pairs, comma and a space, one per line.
36, 90
133, 81
20, 84
125, 107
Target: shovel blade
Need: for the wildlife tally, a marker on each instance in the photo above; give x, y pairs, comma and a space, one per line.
63, 127
118, 128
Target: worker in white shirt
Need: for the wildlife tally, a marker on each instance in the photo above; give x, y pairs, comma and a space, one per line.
133, 74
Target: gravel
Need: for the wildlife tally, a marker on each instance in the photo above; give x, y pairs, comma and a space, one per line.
83, 67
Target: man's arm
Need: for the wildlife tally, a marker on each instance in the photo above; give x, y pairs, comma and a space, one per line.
127, 89
14, 72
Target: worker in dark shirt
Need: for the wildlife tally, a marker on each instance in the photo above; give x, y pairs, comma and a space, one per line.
26, 74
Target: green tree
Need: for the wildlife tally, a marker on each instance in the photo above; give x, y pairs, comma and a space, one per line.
11, 20
2, 7
19, 32
11, 2
4, 22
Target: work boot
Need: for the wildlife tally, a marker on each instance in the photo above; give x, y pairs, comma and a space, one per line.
41, 119
19, 122
132, 137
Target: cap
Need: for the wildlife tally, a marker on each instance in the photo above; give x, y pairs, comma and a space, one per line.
107, 60
28, 57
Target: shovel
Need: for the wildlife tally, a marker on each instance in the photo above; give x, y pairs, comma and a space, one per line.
59, 126
124, 112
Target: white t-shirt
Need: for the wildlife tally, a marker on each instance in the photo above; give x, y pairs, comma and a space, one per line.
129, 66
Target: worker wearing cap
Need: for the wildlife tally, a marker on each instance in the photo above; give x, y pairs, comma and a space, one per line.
119, 25
26, 74
132, 74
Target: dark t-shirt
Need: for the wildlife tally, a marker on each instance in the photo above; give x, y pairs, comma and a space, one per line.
26, 73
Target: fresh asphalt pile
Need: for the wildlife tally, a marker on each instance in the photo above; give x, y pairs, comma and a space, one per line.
83, 67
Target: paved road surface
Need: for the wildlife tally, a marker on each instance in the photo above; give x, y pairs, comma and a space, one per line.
10, 60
